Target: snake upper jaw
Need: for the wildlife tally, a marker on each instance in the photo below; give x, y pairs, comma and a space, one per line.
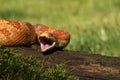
47, 41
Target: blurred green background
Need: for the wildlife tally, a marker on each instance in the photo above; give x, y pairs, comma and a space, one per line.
93, 24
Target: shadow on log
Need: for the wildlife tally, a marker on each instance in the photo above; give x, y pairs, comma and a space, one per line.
84, 65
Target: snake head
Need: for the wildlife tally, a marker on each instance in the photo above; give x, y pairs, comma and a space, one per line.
50, 38
47, 41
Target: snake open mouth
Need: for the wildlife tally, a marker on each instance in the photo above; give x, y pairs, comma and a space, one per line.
46, 43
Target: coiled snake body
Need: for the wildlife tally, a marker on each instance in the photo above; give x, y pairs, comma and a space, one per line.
24, 34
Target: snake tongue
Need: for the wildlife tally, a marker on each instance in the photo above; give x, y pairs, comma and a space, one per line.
46, 44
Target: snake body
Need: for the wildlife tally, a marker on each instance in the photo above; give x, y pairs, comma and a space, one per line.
23, 34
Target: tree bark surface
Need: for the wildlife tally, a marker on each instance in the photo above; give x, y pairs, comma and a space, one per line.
87, 66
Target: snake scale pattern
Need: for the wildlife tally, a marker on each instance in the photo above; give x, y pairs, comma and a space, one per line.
13, 33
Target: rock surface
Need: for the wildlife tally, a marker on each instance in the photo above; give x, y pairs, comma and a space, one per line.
87, 66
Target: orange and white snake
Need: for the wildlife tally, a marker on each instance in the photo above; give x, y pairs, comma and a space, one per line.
25, 34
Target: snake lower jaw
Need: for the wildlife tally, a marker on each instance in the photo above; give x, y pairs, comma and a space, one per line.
47, 47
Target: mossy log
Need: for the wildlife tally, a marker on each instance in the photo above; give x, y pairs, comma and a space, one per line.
87, 66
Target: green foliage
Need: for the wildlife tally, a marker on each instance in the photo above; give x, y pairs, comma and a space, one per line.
14, 66
105, 40
85, 20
